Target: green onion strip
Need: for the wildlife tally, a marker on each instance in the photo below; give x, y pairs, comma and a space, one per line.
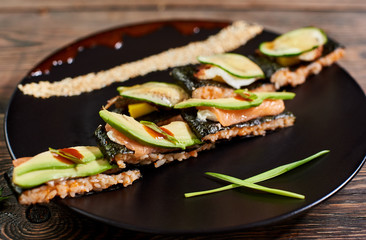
251, 182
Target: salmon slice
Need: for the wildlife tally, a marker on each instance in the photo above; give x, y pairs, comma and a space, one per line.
230, 117
286, 76
212, 92
138, 148
19, 161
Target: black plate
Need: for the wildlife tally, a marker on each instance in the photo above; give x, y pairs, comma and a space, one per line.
330, 110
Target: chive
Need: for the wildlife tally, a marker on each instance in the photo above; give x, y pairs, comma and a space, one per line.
244, 183
156, 128
65, 155
220, 189
284, 168
261, 177
265, 95
246, 94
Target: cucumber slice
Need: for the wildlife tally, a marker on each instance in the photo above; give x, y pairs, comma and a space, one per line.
295, 42
159, 93
235, 64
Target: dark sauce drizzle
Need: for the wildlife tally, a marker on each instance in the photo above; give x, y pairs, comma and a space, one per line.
156, 134
114, 39
70, 151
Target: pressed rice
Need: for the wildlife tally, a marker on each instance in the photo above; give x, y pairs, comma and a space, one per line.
255, 130
72, 187
159, 158
211, 92
285, 76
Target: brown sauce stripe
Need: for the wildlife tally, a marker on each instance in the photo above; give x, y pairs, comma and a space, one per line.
229, 38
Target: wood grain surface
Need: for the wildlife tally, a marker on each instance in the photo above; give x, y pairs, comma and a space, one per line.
31, 30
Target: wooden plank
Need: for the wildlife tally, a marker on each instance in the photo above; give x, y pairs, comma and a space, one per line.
95, 5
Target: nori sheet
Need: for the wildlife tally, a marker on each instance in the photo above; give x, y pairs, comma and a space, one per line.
184, 76
204, 128
8, 175
108, 147
17, 191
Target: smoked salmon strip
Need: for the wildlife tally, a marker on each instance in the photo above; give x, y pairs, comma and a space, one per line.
230, 117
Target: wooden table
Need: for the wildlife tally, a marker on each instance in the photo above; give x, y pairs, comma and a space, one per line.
31, 30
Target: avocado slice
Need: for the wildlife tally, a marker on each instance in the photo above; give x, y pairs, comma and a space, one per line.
137, 131
38, 177
48, 160
250, 100
221, 103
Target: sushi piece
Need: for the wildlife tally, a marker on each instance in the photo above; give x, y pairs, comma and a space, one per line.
220, 75
188, 77
243, 115
292, 57
126, 141
213, 131
140, 136
67, 172
217, 111
288, 60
